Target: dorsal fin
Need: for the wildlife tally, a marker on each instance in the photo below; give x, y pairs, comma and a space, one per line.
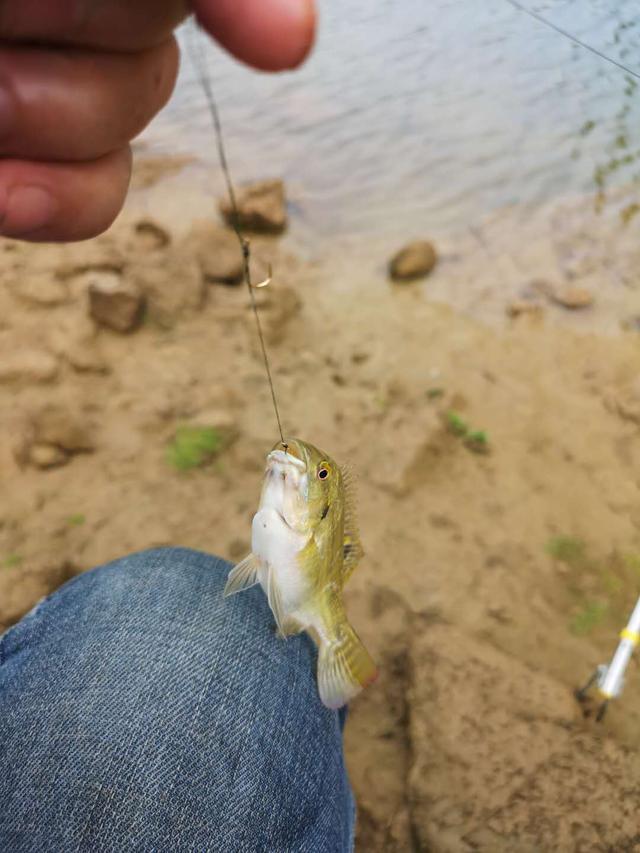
352, 547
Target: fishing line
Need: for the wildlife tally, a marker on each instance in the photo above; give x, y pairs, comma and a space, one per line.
197, 56
538, 17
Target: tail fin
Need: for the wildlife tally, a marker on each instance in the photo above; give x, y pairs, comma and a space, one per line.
345, 667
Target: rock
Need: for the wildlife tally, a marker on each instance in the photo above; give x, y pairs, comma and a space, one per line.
217, 251
40, 288
415, 260
62, 426
501, 754
568, 295
26, 365
522, 306
47, 456
149, 236
572, 297
172, 284
114, 302
261, 206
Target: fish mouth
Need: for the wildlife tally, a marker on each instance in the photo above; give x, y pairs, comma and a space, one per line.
284, 486
283, 458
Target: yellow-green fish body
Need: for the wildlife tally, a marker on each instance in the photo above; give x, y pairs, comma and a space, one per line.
304, 546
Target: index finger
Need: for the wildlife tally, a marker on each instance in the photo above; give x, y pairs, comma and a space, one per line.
267, 34
107, 24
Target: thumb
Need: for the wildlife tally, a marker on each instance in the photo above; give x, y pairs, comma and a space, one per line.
271, 35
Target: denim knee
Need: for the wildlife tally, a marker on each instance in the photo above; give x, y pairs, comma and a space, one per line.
139, 709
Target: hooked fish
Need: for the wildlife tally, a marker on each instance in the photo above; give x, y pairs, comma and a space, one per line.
305, 545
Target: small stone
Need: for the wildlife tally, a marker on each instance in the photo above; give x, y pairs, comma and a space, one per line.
522, 306
63, 427
261, 207
572, 297
415, 260
218, 252
115, 303
149, 236
27, 365
47, 456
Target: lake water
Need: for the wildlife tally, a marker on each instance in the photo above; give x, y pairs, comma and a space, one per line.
421, 116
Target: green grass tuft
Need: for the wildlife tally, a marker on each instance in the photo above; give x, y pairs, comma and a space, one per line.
567, 549
457, 425
12, 561
193, 447
475, 440
591, 615
76, 519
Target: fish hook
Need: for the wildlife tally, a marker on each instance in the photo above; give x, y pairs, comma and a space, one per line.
246, 254
265, 281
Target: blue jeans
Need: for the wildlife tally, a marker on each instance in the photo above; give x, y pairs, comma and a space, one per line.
141, 711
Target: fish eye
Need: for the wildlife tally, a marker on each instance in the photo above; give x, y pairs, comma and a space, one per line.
323, 472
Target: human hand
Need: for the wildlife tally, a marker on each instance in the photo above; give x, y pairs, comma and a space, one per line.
79, 79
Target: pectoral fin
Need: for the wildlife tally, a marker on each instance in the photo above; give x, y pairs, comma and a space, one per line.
242, 576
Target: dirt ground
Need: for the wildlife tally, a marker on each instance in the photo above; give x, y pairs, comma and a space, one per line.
499, 568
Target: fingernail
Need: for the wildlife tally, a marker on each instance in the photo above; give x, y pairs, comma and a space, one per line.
27, 209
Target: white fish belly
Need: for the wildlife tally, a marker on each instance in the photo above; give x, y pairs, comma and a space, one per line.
277, 547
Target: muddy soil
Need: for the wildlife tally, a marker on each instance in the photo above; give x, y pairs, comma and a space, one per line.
498, 465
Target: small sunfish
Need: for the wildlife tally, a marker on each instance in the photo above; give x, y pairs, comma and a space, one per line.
305, 545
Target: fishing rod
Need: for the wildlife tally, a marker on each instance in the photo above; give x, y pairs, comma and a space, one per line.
609, 679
